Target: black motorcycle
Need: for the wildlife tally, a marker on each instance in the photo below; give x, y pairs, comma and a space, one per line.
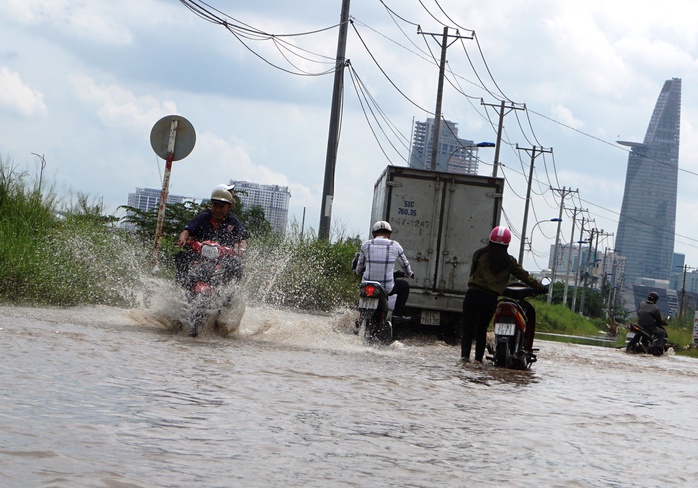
514, 328
373, 313
639, 341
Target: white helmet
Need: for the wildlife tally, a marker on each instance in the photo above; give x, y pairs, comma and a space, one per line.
382, 225
221, 195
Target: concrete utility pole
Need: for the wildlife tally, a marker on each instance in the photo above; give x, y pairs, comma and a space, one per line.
593, 264
569, 257
579, 262
535, 151
440, 90
683, 288
335, 116
502, 106
563, 193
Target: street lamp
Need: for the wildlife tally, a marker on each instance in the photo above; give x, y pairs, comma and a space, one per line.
530, 239
466, 155
43, 165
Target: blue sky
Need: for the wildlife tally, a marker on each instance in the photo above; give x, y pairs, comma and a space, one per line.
83, 81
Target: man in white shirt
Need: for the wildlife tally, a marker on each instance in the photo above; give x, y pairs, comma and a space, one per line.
376, 262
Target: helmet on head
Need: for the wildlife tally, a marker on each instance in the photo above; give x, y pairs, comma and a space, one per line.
500, 235
225, 187
653, 297
221, 195
381, 225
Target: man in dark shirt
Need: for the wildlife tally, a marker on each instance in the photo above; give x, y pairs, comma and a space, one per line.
650, 319
218, 225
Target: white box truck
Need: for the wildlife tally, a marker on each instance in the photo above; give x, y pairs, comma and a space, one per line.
440, 219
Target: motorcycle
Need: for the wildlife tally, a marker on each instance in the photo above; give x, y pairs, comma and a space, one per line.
373, 310
639, 341
514, 328
208, 292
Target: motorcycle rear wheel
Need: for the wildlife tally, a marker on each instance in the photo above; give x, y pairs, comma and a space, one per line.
502, 354
379, 332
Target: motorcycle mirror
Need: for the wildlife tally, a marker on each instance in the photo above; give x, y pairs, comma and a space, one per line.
546, 281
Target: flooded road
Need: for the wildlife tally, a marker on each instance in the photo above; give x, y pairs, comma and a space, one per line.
104, 397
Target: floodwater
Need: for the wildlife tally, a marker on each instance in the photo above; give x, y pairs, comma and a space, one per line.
104, 397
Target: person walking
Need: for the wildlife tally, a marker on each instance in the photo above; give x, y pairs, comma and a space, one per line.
490, 270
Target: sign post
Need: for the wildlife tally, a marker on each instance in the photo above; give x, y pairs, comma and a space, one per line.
172, 138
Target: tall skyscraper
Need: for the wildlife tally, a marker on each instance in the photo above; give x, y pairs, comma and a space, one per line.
454, 155
274, 199
648, 214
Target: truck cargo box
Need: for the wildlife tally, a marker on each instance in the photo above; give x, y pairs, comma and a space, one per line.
440, 219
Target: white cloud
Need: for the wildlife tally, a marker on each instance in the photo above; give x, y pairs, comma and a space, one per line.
17, 97
563, 114
77, 19
117, 106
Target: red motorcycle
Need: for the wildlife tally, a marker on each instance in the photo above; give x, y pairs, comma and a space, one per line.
212, 267
514, 328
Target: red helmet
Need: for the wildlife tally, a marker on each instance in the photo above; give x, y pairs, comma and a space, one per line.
500, 235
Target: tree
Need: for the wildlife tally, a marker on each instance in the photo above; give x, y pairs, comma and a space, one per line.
254, 220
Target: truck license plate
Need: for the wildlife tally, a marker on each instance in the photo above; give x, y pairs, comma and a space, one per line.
504, 329
371, 303
430, 318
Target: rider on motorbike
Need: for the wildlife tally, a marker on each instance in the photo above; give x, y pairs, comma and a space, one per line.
650, 319
376, 262
215, 224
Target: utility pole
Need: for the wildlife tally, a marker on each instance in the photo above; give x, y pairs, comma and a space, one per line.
587, 273
335, 117
533, 150
683, 288
569, 257
502, 106
440, 90
578, 266
563, 193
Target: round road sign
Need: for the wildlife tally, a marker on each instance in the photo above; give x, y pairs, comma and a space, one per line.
185, 137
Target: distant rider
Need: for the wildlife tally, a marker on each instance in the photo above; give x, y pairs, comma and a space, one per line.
376, 261
215, 224
650, 319
489, 274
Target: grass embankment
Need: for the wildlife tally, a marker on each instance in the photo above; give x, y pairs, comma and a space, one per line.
76, 256
561, 320
52, 258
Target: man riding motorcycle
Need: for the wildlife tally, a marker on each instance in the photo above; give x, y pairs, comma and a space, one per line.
215, 224
650, 319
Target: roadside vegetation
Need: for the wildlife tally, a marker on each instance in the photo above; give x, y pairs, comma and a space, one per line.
67, 253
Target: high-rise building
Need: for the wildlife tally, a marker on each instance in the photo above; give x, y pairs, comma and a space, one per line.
149, 198
454, 155
648, 214
274, 199
145, 199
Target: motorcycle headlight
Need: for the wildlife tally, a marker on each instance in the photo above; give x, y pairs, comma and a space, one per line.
210, 252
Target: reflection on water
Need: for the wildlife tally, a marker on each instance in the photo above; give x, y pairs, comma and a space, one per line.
106, 397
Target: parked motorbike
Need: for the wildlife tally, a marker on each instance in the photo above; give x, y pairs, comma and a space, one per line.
208, 287
639, 341
514, 328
